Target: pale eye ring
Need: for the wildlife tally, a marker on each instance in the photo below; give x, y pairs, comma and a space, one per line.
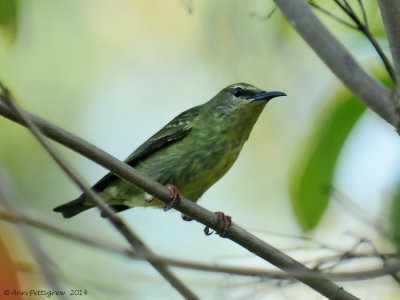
237, 92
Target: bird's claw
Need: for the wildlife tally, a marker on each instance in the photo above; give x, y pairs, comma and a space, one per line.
227, 221
175, 196
186, 218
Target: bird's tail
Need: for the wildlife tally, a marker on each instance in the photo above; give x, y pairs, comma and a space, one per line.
73, 207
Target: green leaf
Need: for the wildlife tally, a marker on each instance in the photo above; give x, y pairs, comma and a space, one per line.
8, 18
312, 175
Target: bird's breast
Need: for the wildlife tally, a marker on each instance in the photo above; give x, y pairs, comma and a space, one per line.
206, 161
193, 163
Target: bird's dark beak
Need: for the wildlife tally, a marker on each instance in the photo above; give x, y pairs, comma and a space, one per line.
267, 95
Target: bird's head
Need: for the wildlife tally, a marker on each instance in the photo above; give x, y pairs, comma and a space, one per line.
244, 94
242, 98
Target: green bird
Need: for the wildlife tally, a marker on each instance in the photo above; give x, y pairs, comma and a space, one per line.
189, 154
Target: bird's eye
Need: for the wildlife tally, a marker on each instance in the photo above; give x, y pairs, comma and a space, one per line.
237, 92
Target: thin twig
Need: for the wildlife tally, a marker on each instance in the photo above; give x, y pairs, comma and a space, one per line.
115, 220
368, 89
363, 12
329, 14
253, 272
385, 261
345, 4
363, 215
361, 26
189, 208
266, 17
394, 273
369, 220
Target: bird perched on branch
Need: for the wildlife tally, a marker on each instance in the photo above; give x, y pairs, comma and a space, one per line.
189, 154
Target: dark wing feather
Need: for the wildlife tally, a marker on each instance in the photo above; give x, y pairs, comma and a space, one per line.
175, 130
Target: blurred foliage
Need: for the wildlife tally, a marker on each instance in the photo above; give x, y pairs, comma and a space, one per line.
9, 270
232, 29
374, 19
310, 182
8, 18
311, 177
372, 14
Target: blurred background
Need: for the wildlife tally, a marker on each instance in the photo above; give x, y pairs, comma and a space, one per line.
114, 72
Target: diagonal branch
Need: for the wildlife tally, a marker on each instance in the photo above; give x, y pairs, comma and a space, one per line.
338, 59
390, 11
115, 220
235, 233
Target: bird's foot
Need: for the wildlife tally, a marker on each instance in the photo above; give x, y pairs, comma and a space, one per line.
226, 220
175, 197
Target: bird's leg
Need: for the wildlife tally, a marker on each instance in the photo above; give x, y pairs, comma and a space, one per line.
227, 221
175, 197
148, 198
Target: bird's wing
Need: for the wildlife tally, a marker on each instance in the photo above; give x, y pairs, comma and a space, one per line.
175, 130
